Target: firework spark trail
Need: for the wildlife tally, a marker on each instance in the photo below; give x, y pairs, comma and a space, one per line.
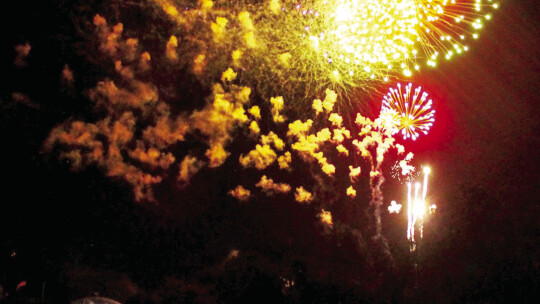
410, 228
423, 201
444, 26
427, 170
376, 202
416, 208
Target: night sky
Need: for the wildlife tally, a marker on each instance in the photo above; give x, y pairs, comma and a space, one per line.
82, 232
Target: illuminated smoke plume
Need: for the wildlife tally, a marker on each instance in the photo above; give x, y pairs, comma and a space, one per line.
375, 143
143, 161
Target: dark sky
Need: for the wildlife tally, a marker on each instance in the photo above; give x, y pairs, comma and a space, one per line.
81, 232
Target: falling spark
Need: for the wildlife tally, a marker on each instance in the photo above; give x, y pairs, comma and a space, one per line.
412, 110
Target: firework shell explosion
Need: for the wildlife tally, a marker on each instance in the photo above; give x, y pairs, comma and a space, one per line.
304, 47
145, 139
408, 112
249, 58
254, 62
201, 103
371, 39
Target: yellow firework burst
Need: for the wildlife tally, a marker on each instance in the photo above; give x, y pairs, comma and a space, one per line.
311, 45
368, 39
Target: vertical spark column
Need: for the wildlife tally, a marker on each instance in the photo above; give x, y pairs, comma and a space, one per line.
416, 208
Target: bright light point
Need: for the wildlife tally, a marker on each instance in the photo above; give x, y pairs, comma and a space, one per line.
314, 41
419, 209
427, 170
343, 13
407, 73
394, 207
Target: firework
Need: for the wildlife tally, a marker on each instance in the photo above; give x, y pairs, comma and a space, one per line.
351, 40
416, 207
307, 46
362, 39
411, 109
397, 172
